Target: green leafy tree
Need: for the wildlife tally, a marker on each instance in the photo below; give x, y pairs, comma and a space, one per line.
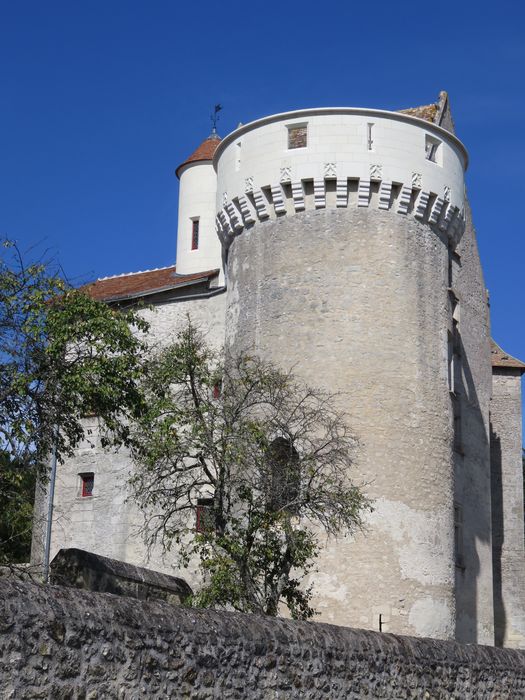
17, 490
63, 355
263, 459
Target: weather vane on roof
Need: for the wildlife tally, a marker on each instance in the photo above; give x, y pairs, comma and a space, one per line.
215, 117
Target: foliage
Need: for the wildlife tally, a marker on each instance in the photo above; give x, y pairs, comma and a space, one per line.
17, 488
63, 355
273, 454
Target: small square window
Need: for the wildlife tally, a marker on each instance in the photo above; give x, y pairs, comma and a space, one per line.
194, 234
297, 136
87, 483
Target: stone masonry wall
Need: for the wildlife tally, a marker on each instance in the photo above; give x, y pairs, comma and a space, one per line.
356, 301
109, 522
63, 643
507, 509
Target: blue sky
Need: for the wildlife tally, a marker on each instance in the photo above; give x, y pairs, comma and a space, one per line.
100, 101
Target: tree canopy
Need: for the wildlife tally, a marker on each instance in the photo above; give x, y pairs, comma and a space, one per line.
242, 465
63, 356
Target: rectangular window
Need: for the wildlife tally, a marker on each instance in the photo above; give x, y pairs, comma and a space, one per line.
204, 515
369, 139
194, 234
432, 149
451, 364
454, 267
238, 156
297, 136
457, 426
458, 534
87, 482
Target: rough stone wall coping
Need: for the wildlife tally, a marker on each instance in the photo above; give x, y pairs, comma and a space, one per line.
69, 563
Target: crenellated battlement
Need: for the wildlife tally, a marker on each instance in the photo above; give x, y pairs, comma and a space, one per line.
287, 198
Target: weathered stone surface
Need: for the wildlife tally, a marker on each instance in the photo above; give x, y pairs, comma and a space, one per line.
507, 508
92, 572
368, 314
110, 522
353, 261
472, 491
64, 643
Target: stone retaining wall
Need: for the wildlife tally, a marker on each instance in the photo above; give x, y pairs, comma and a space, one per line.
64, 643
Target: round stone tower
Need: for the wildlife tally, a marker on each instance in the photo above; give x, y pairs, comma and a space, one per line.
339, 226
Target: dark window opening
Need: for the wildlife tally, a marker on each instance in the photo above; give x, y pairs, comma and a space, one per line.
194, 234
297, 137
284, 476
457, 426
204, 518
458, 535
87, 484
451, 365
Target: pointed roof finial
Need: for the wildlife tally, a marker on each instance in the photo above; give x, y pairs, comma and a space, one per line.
214, 118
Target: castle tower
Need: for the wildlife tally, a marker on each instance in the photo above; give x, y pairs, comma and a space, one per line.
198, 247
342, 229
351, 257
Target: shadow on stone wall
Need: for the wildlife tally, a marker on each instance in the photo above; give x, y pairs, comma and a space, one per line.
471, 461
497, 537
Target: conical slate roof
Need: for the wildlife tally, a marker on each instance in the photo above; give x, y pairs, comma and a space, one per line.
204, 152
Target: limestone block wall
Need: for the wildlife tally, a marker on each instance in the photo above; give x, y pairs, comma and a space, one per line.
356, 300
109, 522
62, 643
507, 508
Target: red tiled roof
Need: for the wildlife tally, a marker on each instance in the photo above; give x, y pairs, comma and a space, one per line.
501, 359
205, 151
137, 284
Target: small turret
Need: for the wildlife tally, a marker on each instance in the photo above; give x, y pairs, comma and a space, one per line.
198, 247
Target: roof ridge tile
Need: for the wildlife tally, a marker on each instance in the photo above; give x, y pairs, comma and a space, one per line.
137, 272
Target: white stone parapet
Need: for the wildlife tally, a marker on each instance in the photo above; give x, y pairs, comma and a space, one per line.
413, 167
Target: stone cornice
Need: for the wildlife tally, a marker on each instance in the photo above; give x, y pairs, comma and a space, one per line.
292, 197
